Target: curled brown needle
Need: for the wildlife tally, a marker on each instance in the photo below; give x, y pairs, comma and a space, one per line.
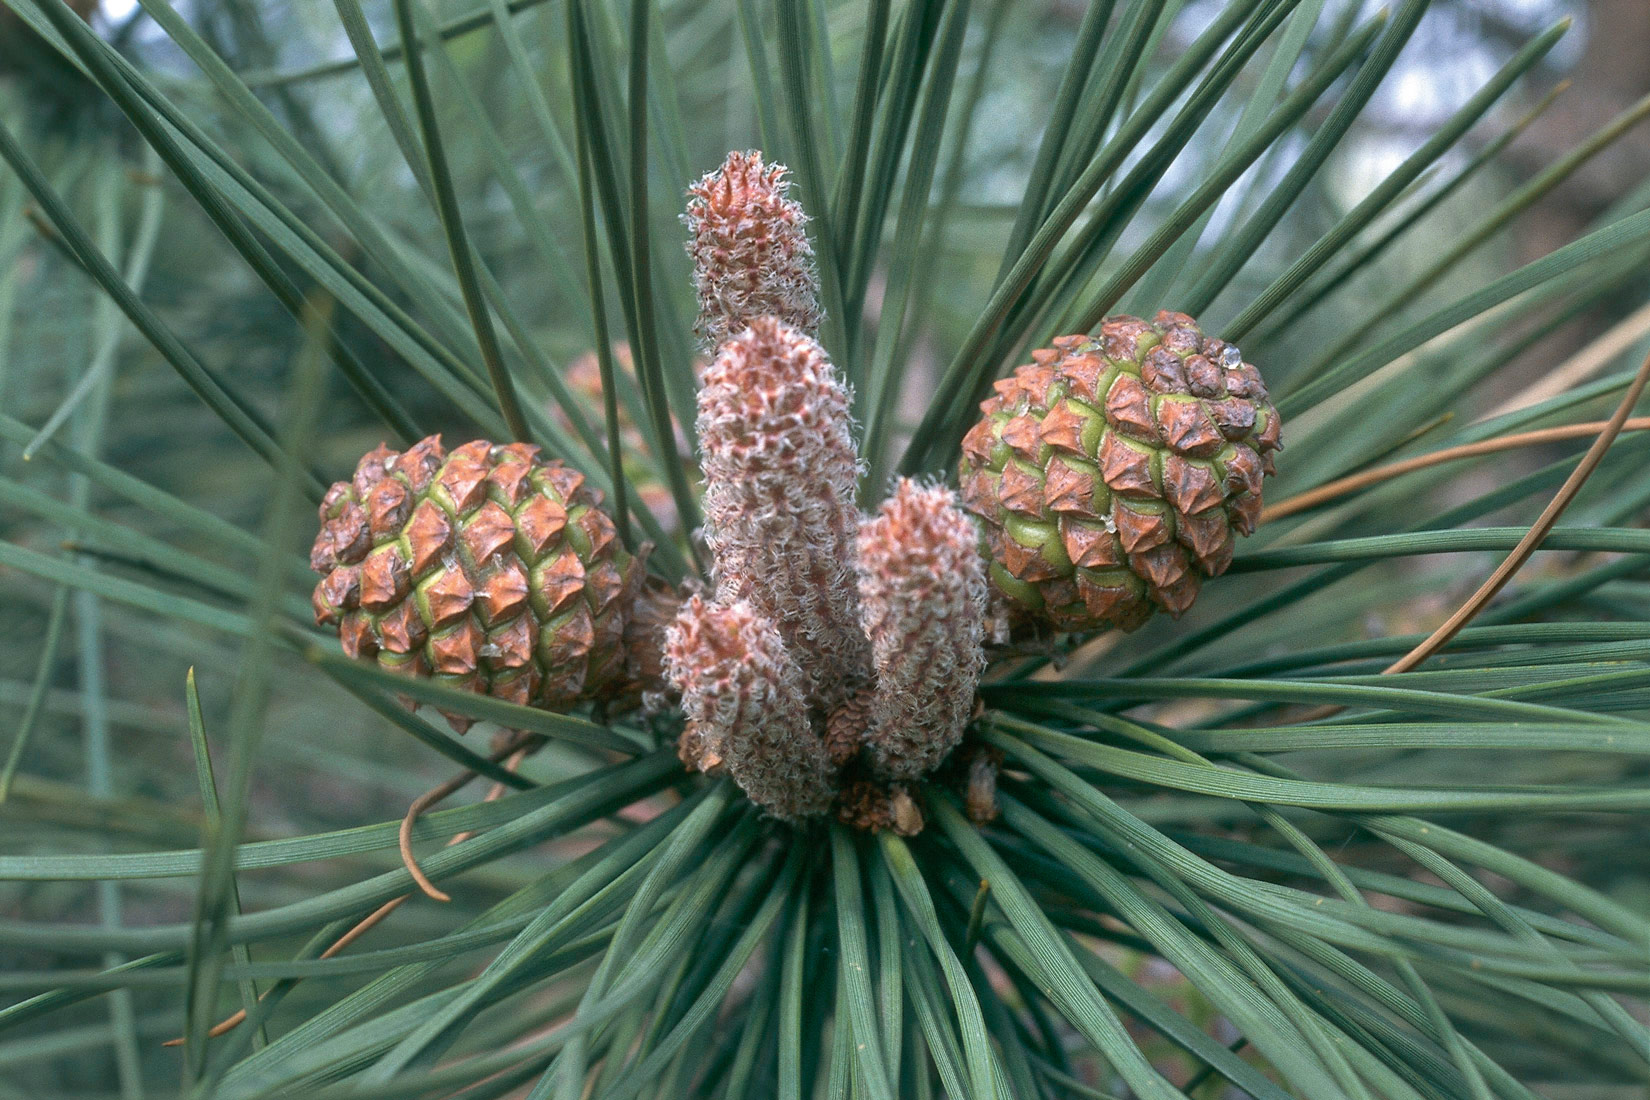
1340, 487
1527, 546
1537, 533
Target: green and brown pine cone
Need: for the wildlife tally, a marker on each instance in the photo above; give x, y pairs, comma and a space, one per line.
489, 569
1112, 472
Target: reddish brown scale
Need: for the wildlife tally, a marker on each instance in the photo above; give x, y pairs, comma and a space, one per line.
872, 807
1114, 470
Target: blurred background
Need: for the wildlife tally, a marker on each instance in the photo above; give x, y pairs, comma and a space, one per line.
112, 721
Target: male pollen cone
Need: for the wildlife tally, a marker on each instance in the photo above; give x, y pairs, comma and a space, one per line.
923, 591
781, 470
746, 707
751, 257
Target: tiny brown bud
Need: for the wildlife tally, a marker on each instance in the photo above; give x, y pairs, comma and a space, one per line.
907, 817
980, 801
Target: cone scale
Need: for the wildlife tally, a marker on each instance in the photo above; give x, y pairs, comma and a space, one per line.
1114, 472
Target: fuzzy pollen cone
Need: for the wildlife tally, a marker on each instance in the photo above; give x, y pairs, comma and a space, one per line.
746, 707
780, 519
488, 569
1114, 472
922, 591
751, 257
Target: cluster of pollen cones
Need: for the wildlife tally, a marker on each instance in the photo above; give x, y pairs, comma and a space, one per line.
831, 663
835, 661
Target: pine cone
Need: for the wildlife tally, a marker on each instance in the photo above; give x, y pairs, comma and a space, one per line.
923, 592
750, 255
1112, 471
848, 725
489, 569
